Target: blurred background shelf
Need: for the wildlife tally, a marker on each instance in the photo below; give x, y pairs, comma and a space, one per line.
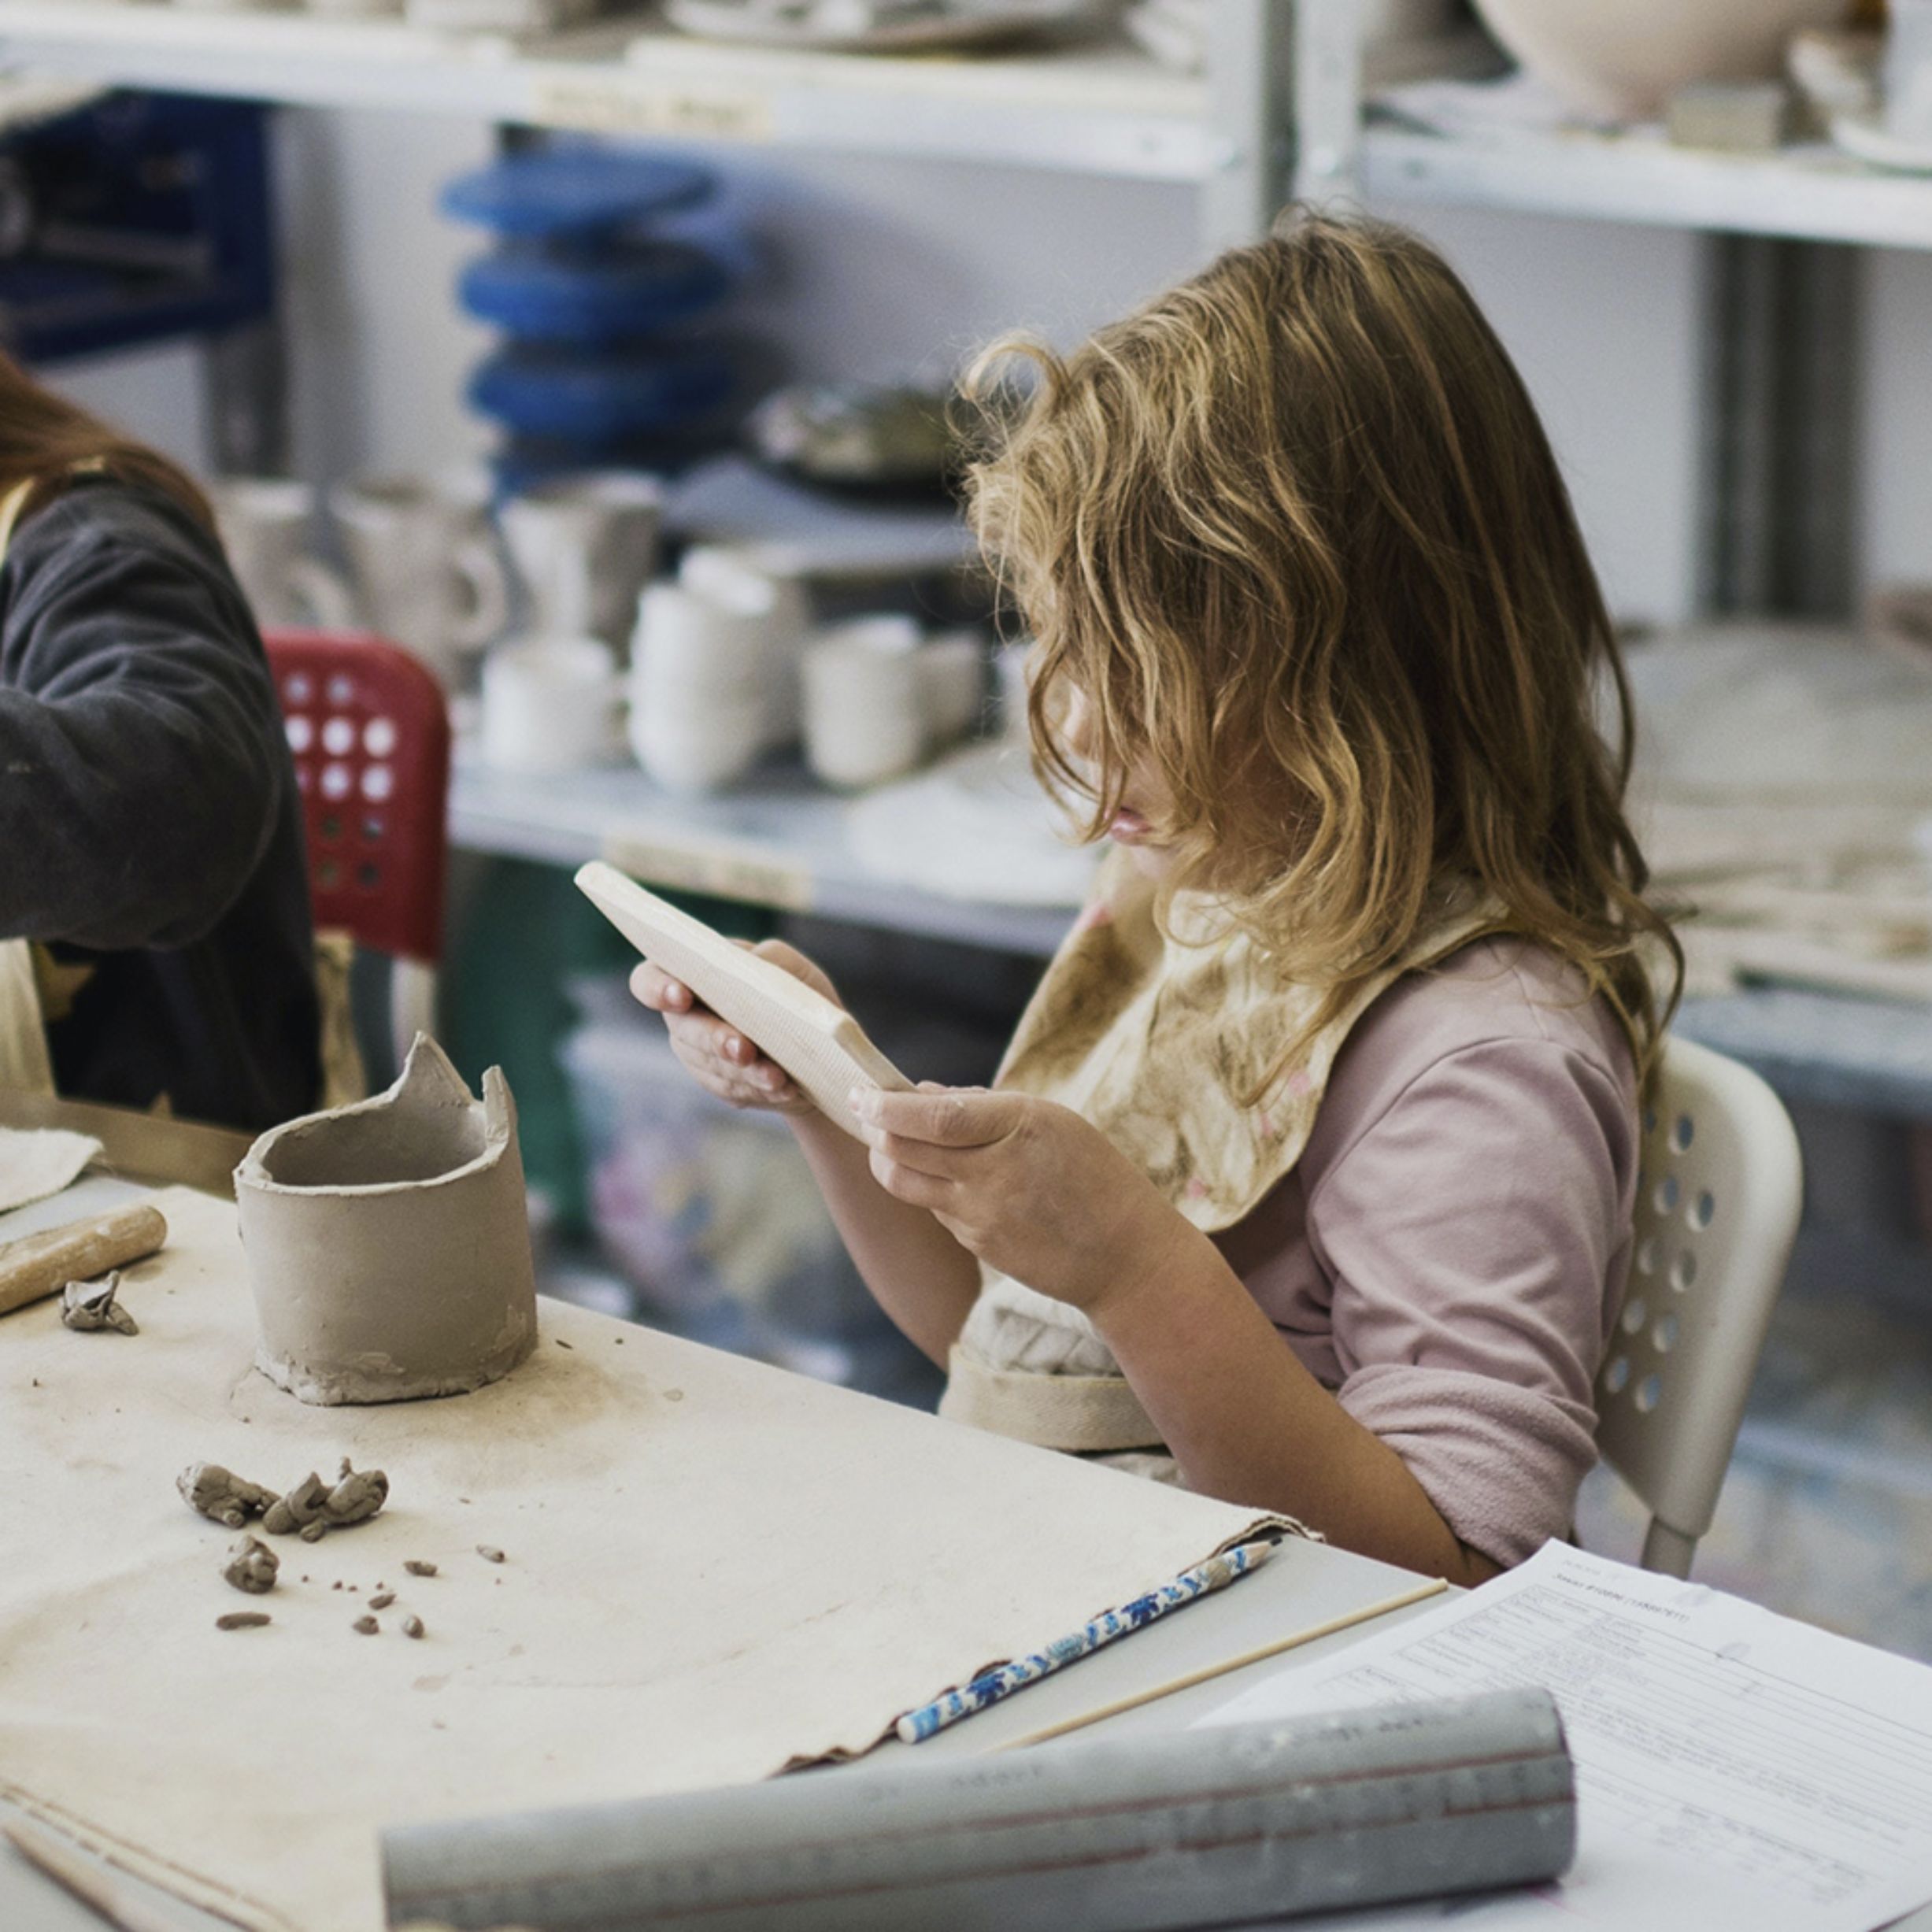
1811, 192
777, 840
1103, 110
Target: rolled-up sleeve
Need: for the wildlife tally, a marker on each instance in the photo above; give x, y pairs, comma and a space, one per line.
1474, 1237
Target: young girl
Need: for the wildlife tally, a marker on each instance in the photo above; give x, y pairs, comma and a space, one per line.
1308, 1179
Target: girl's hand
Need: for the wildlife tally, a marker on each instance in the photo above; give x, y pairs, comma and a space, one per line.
719, 1057
1029, 1187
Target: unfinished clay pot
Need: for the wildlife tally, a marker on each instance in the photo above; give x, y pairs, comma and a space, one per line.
388, 1244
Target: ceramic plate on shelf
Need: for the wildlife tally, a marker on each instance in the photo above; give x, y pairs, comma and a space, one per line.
884, 26
1867, 138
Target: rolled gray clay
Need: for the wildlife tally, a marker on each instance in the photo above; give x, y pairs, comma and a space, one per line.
388, 1244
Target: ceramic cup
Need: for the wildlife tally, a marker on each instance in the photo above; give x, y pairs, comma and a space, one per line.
953, 685
702, 709
584, 547
548, 704
426, 573
265, 523
745, 580
865, 717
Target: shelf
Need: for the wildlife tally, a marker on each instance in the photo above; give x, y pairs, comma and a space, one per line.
1812, 192
777, 841
1867, 1055
1104, 110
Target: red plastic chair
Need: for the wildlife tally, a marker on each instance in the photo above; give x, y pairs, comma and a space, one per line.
368, 727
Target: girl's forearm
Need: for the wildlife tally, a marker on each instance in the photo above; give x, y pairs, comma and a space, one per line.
1247, 1422
923, 1279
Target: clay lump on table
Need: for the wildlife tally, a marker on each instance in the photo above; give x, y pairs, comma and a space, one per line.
87, 1306
251, 1566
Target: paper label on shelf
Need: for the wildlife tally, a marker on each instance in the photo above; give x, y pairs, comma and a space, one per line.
726, 872
623, 104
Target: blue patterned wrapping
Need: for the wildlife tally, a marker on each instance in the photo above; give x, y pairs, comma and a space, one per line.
1215, 1573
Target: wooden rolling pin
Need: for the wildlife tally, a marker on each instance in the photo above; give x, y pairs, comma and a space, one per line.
43, 1265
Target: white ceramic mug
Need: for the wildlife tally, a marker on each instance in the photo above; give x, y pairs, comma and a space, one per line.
865, 717
548, 704
265, 523
953, 685
584, 547
426, 573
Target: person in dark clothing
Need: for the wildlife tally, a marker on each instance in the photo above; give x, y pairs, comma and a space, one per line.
151, 845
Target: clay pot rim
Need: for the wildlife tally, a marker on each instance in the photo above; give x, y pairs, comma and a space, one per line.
499, 1135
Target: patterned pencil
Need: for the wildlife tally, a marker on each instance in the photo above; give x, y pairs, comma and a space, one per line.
1215, 1573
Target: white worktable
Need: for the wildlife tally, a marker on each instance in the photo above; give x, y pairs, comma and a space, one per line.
1307, 1584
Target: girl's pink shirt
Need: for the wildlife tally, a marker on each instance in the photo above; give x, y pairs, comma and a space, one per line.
1449, 1254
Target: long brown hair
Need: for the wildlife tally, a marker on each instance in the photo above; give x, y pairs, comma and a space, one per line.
1294, 531
46, 440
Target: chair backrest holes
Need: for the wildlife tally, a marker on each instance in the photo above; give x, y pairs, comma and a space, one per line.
1664, 1334
1647, 1254
1617, 1375
1668, 1194
1683, 1130
1635, 1314
1704, 1210
1649, 1393
1683, 1271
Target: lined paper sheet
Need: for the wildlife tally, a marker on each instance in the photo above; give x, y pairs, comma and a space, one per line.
1733, 1767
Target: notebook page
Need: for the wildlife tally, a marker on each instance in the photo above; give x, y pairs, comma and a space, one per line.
1734, 1768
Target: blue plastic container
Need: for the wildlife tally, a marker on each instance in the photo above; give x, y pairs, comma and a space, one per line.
549, 295
574, 194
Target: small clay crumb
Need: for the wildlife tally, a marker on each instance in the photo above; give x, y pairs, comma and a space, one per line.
87, 1305
619, 1340
417, 1567
252, 1565
337, 1584
411, 1626
489, 1553
382, 1600
243, 1620
313, 1532
366, 1625
355, 1589
561, 1343
674, 1395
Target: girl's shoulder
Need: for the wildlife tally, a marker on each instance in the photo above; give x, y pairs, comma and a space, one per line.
1503, 1006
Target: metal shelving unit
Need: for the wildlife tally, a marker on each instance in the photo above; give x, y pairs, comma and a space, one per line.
1103, 111
1810, 193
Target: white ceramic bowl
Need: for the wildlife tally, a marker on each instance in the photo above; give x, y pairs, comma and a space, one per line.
1624, 59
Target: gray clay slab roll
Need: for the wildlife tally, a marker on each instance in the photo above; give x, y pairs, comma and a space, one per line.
388, 1243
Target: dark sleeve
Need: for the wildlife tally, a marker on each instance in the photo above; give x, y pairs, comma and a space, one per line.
139, 738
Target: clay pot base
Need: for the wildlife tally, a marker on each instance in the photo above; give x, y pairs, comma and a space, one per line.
388, 1244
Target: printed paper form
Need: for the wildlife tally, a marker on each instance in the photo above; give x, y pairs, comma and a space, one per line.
1733, 1768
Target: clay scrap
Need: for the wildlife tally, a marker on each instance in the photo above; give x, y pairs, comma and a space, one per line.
252, 1566
388, 1244
89, 1305
315, 1506
222, 1496
310, 1510
242, 1620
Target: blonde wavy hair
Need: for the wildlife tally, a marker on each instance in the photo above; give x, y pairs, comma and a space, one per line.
1295, 533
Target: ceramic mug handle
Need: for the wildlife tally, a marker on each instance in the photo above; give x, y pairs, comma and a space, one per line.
487, 583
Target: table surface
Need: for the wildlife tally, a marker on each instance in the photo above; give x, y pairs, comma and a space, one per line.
1306, 1584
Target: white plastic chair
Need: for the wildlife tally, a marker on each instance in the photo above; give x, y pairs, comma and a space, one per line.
1717, 1208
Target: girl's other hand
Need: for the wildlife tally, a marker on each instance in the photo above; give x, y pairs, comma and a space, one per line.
1029, 1187
718, 1056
